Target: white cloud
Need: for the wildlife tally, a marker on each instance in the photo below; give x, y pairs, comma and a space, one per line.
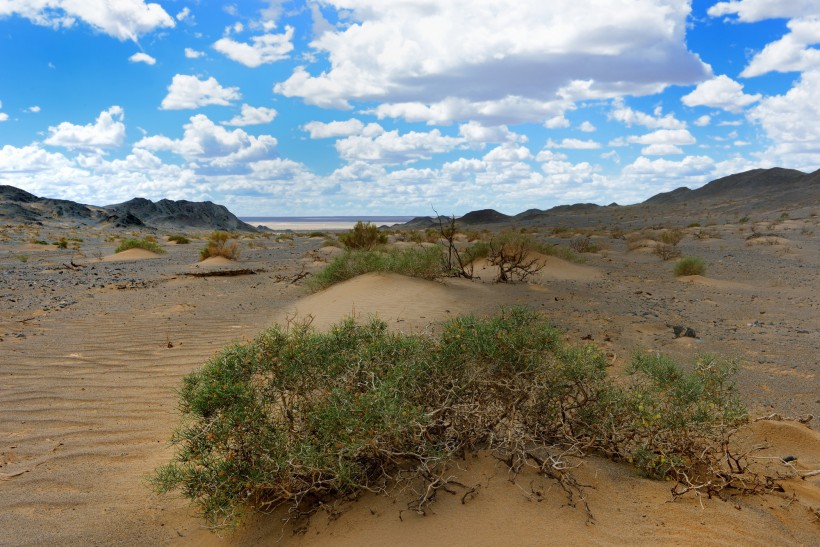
750, 11
703, 121
573, 144
792, 122
630, 117
108, 131
34, 109
3, 115
251, 115
123, 19
661, 150
189, 92
508, 153
791, 53
527, 51
478, 135
191, 53
664, 137
347, 128
505, 111
267, 48
690, 166
183, 14
212, 146
587, 127
142, 58
548, 155
720, 92
557, 122
390, 147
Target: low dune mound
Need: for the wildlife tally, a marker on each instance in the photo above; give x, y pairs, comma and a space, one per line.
37, 247
554, 269
713, 283
405, 303
215, 262
131, 254
767, 239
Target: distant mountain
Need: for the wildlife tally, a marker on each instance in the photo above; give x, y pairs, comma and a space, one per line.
484, 216
167, 213
18, 206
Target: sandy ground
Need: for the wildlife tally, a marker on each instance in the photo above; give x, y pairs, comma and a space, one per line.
93, 348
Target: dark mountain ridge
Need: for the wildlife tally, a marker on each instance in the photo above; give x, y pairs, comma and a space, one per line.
19, 206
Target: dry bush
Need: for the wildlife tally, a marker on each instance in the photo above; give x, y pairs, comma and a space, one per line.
220, 244
690, 265
584, 244
706, 233
667, 252
512, 252
671, 237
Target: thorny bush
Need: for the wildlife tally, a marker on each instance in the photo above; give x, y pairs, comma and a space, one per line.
298, 418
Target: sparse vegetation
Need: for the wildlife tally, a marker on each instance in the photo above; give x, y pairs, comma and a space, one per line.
220, 244
179, 239
139, 244
421, 262
584, 244
667, 252
364, 235
298, 419
61, 243
513, 254
690, 265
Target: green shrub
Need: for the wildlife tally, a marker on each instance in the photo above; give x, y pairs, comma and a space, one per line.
690, 265
422, 262
364, 235
299, 418
476, 251
61, 243
179, 239
220, 244
139, 244
40, 242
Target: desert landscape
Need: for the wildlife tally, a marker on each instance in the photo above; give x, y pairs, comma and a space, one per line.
95, 345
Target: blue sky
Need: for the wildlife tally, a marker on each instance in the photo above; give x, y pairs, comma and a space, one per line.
327, 107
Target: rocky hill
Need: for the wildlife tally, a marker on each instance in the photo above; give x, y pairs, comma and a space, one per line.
20, 207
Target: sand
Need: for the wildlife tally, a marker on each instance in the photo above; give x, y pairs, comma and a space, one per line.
87, 390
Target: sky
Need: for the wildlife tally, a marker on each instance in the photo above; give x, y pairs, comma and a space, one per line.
396, 107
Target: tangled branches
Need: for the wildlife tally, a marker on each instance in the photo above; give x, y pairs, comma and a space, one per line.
300, 419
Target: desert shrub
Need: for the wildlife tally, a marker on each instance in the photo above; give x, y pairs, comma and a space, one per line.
416, 237
706, 233
560, 251
693, 225
40, 242
220, 244
583, 244
513, 253
422, 262
667, 252
179, 239
62, 243
139, 244
743, 220
617, 233
300, 418
317, 234
690, 265
364, 235
22, 258
476, 251
671, 237
670, 423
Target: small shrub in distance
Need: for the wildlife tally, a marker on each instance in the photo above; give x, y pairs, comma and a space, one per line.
667, 252
61, 243
583, 244
220, 244
671, 237
690, 265
139, 244
179, 239
364, 235
512, 252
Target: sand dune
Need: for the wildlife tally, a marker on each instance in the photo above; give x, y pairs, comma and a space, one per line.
131, 254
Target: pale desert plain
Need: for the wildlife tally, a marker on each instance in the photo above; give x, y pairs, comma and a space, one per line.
93, 347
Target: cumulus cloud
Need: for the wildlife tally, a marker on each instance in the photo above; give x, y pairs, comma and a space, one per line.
191, 53
124, 19
661, 150
391, 147
347, 128
108, 131
478, 135
664, 137
267, 48
183, 14
189, 92
573, 144
508, 153
750, 11
703, 121
209, 145
721, 92
505, 111
142, 58
251, 115
791, 53
526, 51
587, 127
629, 117
3, 115
792, 122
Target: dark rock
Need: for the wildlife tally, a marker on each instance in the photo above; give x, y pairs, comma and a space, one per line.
681, 331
